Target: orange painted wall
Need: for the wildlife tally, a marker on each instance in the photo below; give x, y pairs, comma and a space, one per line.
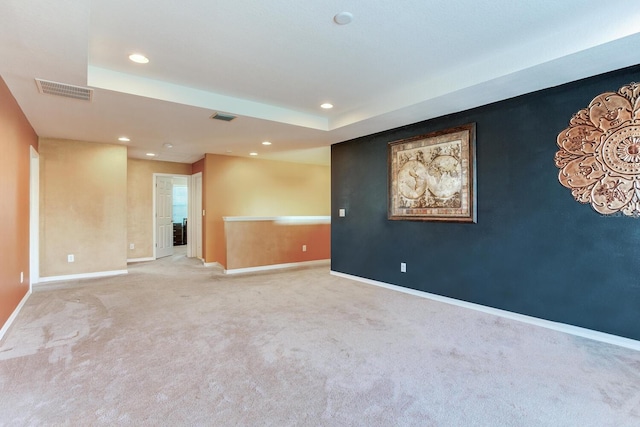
197, 167
237, 186
16, 136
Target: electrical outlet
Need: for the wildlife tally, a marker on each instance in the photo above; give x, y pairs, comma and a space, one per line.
342, 212
304, 248
403, 267
70, 258
21, 276
132, 246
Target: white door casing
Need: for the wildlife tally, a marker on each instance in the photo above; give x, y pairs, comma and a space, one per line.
197, 214
34, 221
164, 216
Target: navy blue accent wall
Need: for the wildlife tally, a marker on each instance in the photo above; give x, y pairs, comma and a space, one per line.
534, 251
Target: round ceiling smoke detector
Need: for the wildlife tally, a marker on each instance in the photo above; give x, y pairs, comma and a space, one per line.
343, 18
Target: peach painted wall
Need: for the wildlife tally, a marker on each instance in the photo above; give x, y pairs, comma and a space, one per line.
140, 202
83, 207
16, 136
271, 242
237, 186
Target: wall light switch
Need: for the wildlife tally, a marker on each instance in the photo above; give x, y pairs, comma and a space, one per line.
21, 276
304, 248
342, 212
132, 246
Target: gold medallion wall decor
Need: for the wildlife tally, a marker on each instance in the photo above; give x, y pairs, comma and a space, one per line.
599, 156
432, 177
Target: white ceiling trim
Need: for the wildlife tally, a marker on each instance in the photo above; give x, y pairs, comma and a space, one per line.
461, 90
135, 85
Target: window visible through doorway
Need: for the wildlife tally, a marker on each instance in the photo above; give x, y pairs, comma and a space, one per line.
180, 209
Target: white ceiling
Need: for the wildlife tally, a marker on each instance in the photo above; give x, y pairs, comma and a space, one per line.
272, 63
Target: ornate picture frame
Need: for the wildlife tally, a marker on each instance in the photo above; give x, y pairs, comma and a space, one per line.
432, 177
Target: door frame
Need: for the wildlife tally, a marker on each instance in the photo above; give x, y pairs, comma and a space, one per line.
154, 211
194, 212
34, 217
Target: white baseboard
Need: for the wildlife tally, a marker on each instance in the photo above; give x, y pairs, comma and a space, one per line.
210, 264
276, 266
82, 276
132, 260
556, 326
13, 316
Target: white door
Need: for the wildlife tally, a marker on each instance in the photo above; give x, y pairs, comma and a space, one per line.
164, 216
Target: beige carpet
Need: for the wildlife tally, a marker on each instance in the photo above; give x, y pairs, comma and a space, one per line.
175, 343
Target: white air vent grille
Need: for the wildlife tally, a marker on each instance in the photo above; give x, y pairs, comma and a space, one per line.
222, 116
65, 90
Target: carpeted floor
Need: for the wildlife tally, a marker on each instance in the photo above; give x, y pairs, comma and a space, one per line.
175, 343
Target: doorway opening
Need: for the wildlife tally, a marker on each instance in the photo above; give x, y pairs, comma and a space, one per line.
180, 211
177, 214
170, 213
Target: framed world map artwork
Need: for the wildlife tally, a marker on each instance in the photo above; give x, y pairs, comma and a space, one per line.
432, 177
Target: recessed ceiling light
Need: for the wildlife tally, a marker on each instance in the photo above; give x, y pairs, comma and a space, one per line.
253, 154
266, 143
139, 58
343, 18
123, 139
151, 154
167, 145
326, 106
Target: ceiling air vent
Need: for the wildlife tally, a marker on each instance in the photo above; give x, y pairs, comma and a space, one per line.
222, 116
62, 89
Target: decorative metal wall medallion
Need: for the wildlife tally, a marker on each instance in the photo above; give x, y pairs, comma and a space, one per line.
599, 156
